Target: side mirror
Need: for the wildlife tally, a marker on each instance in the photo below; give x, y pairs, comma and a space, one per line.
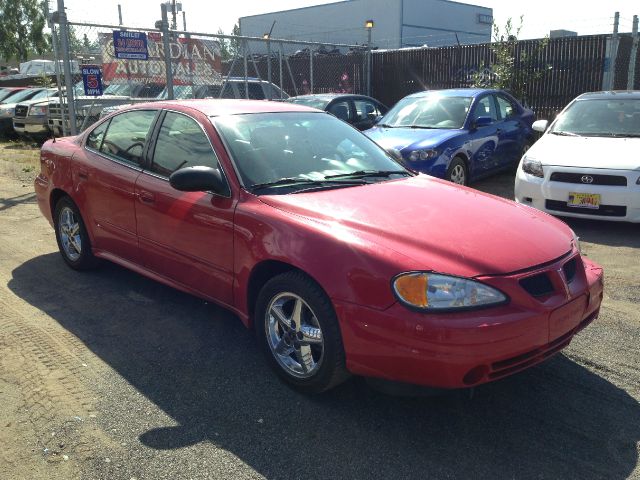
199, 179
540, 125
482, 122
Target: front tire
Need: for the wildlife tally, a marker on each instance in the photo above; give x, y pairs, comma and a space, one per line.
71, 235
457, 172
298, 331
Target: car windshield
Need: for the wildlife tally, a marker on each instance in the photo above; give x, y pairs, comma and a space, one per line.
297, 150
180, 92
21, 95
600, 117
5, 94
429, 111
314, 102
45, 94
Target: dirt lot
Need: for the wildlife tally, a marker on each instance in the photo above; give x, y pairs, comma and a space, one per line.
108, 375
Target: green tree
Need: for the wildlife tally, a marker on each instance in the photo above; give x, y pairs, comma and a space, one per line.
512, 68
229, 47
22, 26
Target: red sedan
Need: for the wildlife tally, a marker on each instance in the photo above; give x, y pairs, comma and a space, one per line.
341, 260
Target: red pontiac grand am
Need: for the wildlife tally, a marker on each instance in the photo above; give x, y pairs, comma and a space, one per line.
341, 260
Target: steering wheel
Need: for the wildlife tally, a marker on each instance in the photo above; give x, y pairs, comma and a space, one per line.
133, 145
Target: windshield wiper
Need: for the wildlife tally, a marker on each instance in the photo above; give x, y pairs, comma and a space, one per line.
423, 127
369, 173
385, 125
565, 134
295, 181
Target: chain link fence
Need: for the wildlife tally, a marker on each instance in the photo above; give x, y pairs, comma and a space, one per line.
184, 65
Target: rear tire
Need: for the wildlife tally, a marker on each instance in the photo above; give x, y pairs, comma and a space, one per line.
457, 172
298, 331
71, 235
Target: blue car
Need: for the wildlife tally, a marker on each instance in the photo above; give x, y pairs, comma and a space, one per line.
460, 135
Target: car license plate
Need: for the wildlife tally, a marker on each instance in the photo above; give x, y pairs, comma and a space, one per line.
584, 200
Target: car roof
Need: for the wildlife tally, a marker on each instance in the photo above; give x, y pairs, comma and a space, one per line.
219, 107
626, 94
330, 96
458, 92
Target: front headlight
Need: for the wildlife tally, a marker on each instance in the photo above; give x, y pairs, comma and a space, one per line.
423, 155
532, 167
436, 292
37, 110
576, 241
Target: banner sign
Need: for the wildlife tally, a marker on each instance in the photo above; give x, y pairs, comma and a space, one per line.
92, 80
130, 45
194, 61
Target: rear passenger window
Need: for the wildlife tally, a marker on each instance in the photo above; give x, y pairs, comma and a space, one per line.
181, 143
366, 110
94, 139
127, 134
341, 110
507, 109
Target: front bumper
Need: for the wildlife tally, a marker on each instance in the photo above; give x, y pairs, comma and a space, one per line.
470, 348
32, 126
618, 203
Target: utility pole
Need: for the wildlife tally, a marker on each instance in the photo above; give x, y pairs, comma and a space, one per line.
184, 20
68, 80
120, 14
174, 13
615, 39
167, 50
634, 55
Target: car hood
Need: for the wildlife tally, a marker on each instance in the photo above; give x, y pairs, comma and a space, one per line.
441, 227
588, 152
415, 138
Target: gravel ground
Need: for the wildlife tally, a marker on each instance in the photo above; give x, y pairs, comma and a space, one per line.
108, 375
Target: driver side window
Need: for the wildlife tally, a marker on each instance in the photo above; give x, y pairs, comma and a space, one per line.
485, 108
127, 134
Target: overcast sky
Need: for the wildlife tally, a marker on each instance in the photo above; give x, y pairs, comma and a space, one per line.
540, 16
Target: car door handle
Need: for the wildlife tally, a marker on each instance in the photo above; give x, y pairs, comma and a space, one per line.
146, 197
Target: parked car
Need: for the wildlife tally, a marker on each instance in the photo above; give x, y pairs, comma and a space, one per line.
8, 111
359, 110
586, 164
460, 135
9, 91
31, 117
8, 107
88, 109
342, 260
234, 87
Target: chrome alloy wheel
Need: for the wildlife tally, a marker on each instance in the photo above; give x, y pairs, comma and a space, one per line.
69, 229
294, 335
458, 175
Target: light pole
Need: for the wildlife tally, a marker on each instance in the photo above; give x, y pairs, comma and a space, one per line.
369, 24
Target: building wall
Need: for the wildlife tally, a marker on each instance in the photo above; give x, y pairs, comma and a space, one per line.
436, 23
398, 23
341, 22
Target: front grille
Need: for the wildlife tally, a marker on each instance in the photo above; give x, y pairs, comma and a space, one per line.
21, 111
537, 285
569, 269
566, 177
604, 210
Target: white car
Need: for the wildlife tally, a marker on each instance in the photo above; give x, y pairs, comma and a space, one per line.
587, 163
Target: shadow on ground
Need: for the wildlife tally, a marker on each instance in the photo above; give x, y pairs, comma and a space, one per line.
6, 203
197, 363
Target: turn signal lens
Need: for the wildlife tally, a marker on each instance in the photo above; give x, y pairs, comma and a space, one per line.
412, 288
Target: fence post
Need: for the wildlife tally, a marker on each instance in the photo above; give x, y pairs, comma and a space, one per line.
270, 93
167, 50
280, 67
311, 69
56, 67
246, 68
615, 39
633, 57
68, 80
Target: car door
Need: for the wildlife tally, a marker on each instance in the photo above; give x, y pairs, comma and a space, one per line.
484, 140
184, 236
365, 113
104, 174
512, 135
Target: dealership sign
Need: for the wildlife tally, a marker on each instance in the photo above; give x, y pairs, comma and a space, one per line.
193, 61
92, 80
130, 45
